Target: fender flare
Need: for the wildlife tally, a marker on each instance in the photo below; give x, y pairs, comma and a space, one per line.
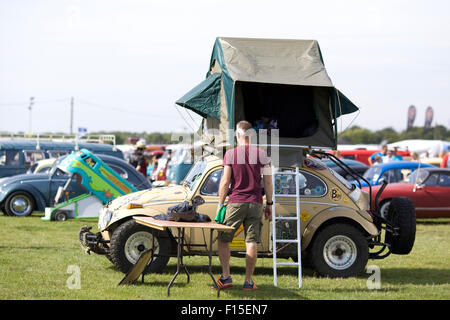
336, 213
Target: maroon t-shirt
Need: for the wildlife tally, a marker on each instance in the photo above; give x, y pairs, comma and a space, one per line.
246, 164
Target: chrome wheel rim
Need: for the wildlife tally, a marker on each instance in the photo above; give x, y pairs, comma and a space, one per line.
20, 205
340, 252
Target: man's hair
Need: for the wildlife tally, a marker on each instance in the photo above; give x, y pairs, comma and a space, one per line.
243, 126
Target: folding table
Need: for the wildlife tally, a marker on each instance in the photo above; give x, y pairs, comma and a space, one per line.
181, 226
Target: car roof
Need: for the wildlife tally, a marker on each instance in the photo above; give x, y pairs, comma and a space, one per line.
330, 163
402, 164
26, 144
435, 169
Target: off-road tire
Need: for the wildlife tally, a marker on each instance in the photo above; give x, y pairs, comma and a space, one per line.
119, 240
324, 257
403, 215
9, 210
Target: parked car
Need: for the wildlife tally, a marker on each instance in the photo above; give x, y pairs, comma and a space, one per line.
362, 155
42, 166
391, 172
180, 164
336, 226
428, 188
159, 174
16, 156
20, 195
357, 166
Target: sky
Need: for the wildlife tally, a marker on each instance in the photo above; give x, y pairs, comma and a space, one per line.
126, 62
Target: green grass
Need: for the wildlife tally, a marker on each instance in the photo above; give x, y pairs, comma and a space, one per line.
35, 257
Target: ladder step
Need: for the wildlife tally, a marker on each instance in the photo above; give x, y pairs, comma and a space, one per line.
285, 218
286, 241
287, 264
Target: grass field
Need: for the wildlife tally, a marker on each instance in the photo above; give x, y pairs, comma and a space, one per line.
39, 260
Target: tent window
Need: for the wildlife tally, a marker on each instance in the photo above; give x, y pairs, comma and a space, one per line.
289, 108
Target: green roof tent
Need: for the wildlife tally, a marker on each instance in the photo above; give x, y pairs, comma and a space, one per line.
283, 80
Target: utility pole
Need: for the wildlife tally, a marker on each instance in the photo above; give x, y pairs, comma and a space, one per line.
29, 114
71, 116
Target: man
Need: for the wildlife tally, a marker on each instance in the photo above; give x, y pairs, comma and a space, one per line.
446, 161
383, 153
137, 158
241, 180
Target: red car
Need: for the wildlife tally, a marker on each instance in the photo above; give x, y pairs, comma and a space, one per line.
428, 188
362, 155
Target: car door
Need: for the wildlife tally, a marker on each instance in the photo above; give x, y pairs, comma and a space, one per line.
432, 198
437, 190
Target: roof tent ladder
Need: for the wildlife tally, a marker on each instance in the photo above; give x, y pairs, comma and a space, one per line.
276, 218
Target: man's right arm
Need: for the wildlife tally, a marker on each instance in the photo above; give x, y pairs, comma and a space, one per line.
268, 190
224, 185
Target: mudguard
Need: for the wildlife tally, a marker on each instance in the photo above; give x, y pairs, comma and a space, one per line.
336, 213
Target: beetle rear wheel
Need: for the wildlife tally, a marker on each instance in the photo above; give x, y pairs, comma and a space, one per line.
339, 250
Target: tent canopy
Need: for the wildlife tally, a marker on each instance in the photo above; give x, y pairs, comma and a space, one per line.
283, 82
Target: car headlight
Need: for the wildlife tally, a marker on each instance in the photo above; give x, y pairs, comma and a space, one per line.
104, 217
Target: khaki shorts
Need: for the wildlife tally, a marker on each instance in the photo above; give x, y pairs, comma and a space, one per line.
249, 214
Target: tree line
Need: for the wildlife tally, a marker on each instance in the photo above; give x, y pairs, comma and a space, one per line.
359, 135
352, 135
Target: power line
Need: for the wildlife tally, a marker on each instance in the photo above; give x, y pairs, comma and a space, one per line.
123, 110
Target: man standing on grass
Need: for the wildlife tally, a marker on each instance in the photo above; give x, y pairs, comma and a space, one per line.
241, 181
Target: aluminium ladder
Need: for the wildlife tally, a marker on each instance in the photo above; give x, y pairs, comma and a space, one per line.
276, 218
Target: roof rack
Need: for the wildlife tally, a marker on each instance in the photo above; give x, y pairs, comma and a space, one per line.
102, 138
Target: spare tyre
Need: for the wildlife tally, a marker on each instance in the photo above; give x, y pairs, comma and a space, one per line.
402, 214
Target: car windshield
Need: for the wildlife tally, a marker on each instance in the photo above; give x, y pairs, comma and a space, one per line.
55, 169
346, 183
372, 173
195, 175
418, 177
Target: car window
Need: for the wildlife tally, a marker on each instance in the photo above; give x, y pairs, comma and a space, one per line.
57, 153
31, 156
121, 172
195, 174
309, 185
444, 180
392, 175
372, 173
432, 180
211, 186
9, 158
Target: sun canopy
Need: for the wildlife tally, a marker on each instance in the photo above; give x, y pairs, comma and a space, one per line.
282, 82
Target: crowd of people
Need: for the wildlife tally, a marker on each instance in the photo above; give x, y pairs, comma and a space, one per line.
386, 155
389, 155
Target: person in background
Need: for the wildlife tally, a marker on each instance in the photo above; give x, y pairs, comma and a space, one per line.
446, 161
137, 158
383, 153
395, 155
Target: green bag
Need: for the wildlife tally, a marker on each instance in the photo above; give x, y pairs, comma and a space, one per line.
220, 215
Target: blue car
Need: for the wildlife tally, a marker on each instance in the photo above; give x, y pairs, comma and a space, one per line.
22, 194
391, 172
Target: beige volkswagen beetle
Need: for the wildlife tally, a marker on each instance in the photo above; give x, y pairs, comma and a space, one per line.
339, 230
